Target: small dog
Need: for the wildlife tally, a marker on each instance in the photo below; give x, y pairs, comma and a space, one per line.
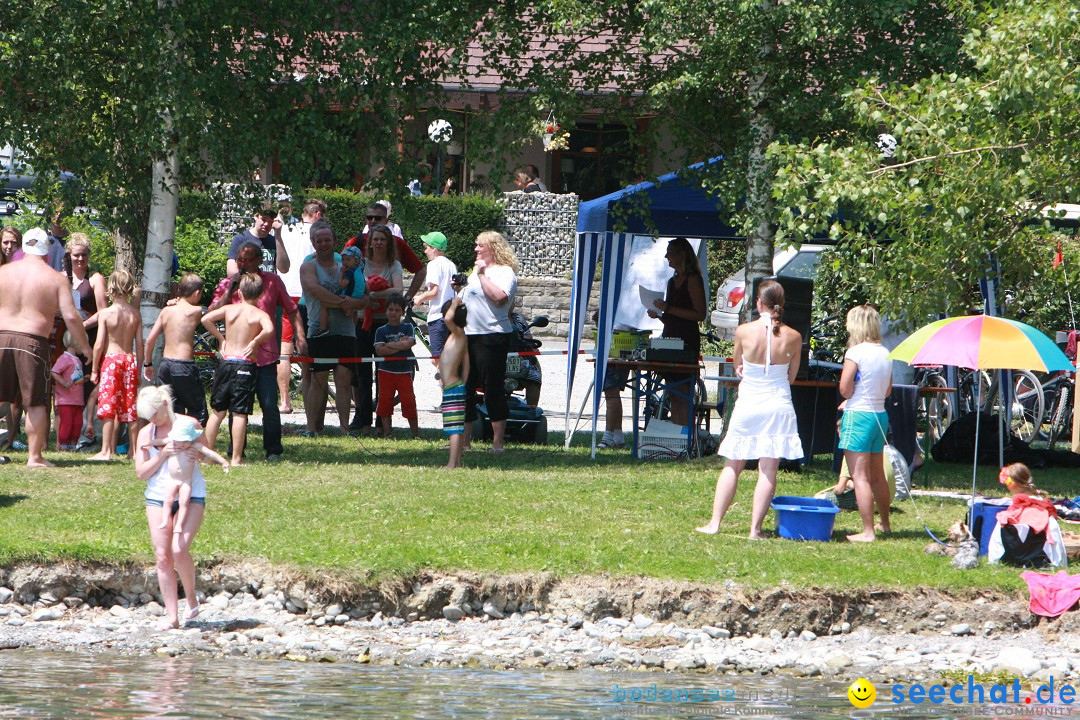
962, 547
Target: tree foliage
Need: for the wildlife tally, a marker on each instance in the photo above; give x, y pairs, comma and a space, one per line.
981, 152
694, 79
104, 88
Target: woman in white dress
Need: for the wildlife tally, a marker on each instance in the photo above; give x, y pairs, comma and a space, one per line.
763, 426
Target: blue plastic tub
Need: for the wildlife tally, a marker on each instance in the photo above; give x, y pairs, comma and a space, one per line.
803, 518
985, 520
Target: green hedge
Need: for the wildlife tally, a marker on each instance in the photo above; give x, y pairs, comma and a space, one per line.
460, 217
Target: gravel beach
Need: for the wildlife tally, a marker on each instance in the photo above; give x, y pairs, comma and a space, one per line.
452, 621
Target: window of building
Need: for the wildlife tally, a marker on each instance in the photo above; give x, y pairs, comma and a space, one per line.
598, 161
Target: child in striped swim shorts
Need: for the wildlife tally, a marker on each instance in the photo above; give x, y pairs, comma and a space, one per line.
454, 367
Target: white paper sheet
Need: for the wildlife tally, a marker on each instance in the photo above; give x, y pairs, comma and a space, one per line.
648, 297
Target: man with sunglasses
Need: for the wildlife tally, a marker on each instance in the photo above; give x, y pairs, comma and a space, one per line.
377, 217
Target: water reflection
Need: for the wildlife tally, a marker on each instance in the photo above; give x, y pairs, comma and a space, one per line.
37, 684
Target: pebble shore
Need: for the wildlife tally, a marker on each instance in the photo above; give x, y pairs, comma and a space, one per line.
501, 632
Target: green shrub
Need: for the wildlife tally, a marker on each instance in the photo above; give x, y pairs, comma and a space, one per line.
200, 252
345, 210
198, 205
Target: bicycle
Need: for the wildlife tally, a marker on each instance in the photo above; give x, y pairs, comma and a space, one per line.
1059, 393
934, 411
658, 405
978, 390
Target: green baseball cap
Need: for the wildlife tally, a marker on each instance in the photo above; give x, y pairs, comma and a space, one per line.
435, 239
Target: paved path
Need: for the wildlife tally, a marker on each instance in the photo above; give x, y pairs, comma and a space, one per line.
552, 394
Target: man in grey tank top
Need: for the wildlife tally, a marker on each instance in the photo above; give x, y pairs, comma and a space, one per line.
319, 280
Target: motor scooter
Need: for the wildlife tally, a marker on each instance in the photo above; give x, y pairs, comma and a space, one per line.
526, 423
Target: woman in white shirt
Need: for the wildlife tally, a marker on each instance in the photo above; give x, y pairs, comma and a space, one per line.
865, 382
489, 295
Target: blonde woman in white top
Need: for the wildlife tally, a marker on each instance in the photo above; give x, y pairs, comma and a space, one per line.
865, 382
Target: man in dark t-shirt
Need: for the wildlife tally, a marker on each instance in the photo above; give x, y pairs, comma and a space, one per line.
275, 259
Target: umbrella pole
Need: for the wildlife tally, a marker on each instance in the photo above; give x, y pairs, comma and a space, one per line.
975, 460
1004, 379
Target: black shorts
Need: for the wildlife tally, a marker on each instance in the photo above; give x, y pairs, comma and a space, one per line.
182, 376
234, 387
616, 378
330, 346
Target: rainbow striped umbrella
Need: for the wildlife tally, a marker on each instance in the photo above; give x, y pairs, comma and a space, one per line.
982, 342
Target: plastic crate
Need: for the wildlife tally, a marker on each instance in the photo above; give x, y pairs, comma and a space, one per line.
625, 342
660, 447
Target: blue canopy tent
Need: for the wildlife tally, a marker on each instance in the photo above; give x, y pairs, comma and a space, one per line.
672, 205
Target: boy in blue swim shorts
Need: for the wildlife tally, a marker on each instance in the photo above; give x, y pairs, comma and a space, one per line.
454, 367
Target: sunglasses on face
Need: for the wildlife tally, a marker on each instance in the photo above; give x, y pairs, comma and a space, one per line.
376, 218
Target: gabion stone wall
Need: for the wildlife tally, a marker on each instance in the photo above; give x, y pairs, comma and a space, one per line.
542, 229
238, 205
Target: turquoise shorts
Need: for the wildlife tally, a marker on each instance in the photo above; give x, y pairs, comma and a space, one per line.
862, 431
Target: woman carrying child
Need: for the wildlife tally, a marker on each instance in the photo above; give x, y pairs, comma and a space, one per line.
865, 382
383, 275
171, 544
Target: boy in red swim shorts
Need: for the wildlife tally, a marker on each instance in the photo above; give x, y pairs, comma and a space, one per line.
117, 359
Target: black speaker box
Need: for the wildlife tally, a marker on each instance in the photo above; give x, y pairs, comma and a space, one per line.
798, 304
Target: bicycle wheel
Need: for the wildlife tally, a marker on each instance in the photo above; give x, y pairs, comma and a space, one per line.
973, 386
704, 443
206, 359
935, 412
1061, 414
1028, 404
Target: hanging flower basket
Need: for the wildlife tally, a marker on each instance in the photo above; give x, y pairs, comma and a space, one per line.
553, 136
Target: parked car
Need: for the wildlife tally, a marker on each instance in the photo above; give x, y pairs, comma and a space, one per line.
17, 176
731, 294
13, 177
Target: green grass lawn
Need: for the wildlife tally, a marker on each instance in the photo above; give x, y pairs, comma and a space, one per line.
378, 509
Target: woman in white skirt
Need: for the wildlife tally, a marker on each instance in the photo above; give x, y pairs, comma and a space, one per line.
763, 426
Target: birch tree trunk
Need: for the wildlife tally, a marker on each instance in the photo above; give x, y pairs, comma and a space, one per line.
164, 197
759, 173
157, 261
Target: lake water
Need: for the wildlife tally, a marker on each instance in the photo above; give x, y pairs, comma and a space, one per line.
37, 684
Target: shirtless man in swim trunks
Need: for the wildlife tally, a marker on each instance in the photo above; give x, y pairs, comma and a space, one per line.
31, 293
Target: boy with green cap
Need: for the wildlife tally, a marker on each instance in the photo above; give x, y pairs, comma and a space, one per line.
440, 271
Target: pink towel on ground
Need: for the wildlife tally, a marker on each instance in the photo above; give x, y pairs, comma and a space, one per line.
1052, 595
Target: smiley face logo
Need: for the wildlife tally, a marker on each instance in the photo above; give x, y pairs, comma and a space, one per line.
862, 693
